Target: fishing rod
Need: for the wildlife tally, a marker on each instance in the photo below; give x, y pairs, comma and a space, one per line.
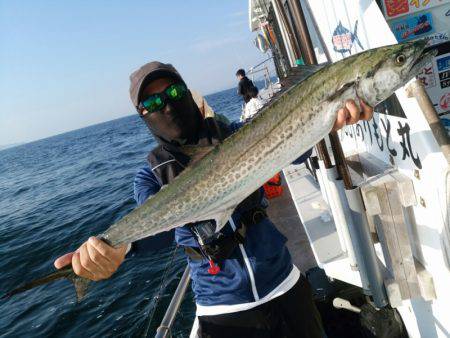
307, 51
159, 294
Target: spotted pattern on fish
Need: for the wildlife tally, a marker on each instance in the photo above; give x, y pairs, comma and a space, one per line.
284, 130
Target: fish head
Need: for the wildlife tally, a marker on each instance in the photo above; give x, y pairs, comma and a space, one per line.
383, 70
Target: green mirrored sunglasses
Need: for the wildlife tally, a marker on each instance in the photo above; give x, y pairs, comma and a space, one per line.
155, 102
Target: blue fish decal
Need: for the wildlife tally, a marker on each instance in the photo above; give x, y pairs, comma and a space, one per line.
423, 25
343, 39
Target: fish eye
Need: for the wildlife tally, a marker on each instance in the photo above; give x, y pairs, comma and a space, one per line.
400, 59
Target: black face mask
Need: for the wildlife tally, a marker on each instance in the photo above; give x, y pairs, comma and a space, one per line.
177, 123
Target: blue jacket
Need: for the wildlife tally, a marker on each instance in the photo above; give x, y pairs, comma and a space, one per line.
270, 261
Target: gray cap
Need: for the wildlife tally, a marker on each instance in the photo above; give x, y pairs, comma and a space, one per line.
148, 72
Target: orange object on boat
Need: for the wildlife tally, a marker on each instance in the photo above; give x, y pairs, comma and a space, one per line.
273, 187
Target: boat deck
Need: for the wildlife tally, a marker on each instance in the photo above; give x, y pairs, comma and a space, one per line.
283, 213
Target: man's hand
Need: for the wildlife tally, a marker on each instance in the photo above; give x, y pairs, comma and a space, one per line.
351, 113
94, 259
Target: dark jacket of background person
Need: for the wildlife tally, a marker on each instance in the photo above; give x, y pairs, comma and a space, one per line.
244, 88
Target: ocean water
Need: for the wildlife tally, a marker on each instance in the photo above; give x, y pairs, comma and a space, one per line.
54, 194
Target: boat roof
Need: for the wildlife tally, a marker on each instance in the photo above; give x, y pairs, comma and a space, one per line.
257, 9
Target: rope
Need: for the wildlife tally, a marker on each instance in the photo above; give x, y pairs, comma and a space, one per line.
158, 295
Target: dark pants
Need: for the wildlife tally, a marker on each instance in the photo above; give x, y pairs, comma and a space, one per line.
293, 314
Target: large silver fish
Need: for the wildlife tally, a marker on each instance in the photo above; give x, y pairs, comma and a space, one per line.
215, 183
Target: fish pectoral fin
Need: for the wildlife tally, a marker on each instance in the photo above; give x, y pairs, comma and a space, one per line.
81, 285
222, 218
196, 153
342, 90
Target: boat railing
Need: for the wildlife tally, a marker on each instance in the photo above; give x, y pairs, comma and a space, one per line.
262, 67
164, 329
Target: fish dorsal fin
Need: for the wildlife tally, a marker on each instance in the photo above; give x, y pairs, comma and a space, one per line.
302, 72
308, 70
196, 153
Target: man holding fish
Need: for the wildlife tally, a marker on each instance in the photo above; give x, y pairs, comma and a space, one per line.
244, 282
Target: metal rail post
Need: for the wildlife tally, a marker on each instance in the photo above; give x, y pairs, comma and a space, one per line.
415, 89
171, 312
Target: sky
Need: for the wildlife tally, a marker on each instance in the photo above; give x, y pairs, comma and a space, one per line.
66, 64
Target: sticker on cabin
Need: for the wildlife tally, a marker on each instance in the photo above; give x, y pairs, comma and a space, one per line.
443, 66
427, 76
419, 3
396, 7
443, 63
413, 27
436, 38
444, 102
444, 78
343, 39
446, 123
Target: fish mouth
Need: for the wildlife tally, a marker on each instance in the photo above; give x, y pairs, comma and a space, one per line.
424, 58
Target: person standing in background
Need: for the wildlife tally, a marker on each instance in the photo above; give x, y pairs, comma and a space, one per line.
245, 86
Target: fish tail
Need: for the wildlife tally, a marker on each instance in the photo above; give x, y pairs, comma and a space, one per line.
81, 284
